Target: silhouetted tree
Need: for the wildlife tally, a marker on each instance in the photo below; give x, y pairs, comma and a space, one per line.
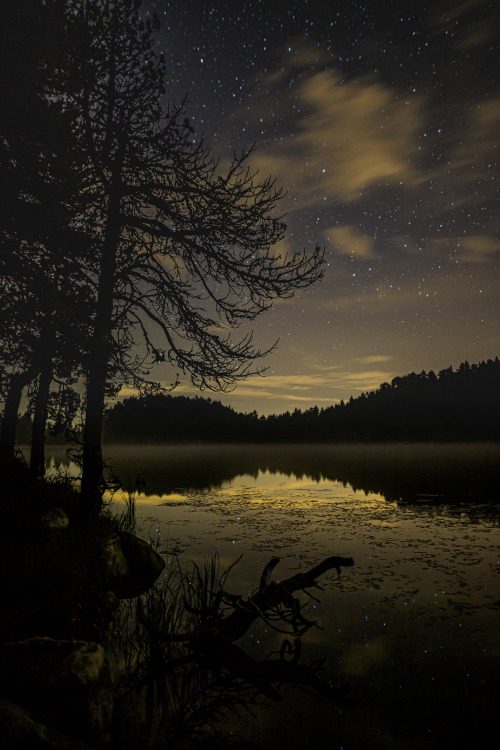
181, 248
38, 242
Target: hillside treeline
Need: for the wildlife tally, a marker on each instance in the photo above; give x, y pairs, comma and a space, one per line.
462, 404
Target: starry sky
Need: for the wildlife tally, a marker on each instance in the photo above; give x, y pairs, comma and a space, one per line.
382, 122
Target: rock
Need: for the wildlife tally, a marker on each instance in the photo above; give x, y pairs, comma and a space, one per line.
19, 731
145, 565
67, 685
131, 565
54, 518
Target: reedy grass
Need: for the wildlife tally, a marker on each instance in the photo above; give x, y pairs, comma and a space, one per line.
178, 694
121, 521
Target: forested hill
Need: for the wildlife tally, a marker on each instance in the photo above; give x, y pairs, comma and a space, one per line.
452, 405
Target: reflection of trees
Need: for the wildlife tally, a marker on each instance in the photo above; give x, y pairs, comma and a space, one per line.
409, 473
178, 644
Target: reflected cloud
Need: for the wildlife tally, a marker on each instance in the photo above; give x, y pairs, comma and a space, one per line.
360, 658
421, 474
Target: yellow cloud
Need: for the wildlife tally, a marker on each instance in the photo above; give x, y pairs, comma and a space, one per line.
477, 248
286, 386
366, 381
348, 241
374, 358
322, 385
288, 381
482, 134
473, 22
343, 137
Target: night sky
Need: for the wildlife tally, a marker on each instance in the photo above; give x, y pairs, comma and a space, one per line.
382, 122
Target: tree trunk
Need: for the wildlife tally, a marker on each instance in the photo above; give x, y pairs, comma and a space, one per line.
18, 381
37, 458
9, 420
92, 469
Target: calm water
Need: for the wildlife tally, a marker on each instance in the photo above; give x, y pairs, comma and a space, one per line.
413, 627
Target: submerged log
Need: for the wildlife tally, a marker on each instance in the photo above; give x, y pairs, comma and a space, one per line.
269, 596
212, 644
196, 676
215, 643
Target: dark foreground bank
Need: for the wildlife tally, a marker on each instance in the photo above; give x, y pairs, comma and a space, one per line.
102, 647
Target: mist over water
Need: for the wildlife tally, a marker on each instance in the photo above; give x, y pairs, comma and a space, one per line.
412, 626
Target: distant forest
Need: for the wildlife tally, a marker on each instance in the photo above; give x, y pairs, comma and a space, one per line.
452, 405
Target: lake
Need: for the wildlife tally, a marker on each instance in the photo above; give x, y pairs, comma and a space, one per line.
412, 627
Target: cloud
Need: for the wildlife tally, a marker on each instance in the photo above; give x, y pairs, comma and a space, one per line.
475, 157
338, 137
283, 248
367, 380
298, 387
287, 382
474, 23
478, 248
474, 248
348, 241
374, 358
321, 385
306, 386
313, 389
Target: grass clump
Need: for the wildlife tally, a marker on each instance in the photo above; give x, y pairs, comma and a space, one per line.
177, 695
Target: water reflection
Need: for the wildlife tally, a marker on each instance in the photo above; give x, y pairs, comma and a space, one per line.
413, 629
409, 473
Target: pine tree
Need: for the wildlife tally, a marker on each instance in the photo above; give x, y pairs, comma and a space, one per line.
183, 251
41, 247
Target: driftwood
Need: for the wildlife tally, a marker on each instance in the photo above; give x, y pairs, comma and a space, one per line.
212, 645
271, 596
190, 680
272, 602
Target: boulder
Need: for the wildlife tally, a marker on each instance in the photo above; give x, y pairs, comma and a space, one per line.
131, 565
67, 685
145, 564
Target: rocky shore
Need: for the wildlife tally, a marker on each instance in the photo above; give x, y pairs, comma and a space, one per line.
62, 582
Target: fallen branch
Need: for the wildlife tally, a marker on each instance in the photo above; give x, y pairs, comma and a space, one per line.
269, 596
207, 672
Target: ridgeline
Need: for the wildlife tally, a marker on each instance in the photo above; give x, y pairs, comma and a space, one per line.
453, 405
